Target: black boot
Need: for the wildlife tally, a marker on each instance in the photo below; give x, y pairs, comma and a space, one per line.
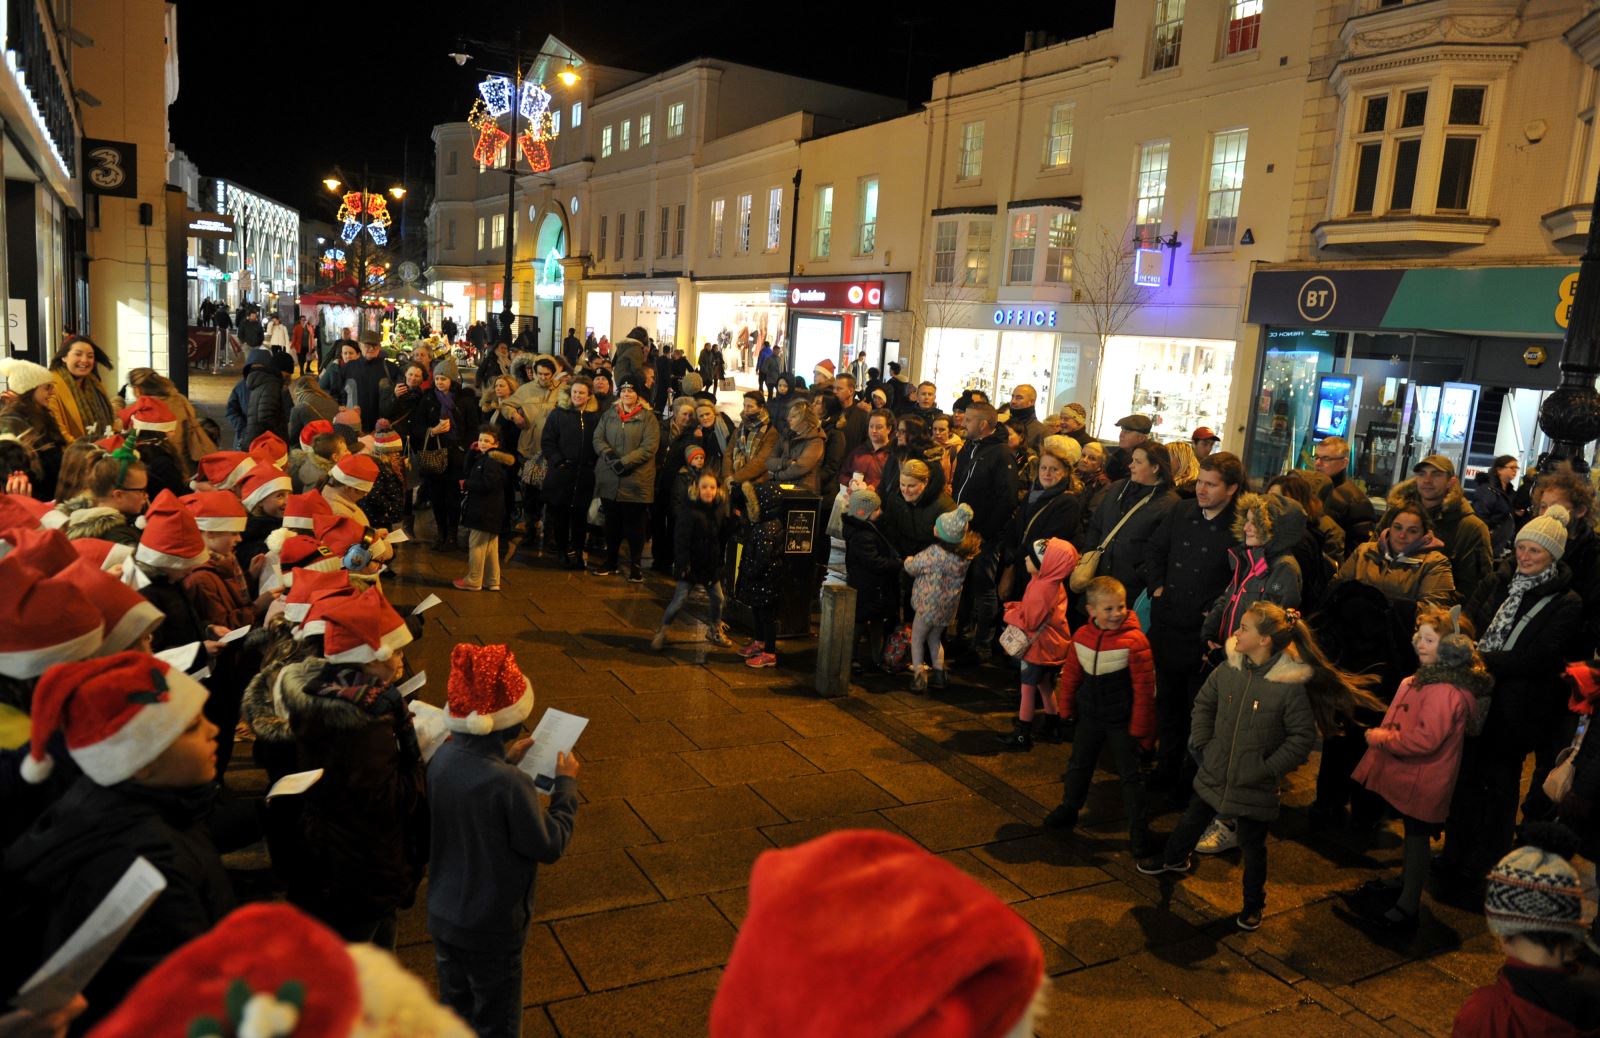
1020, 738
1050, 728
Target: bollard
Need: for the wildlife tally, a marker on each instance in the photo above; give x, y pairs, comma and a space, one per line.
835, 640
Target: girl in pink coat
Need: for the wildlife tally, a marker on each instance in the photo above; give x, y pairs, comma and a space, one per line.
1413, 757
1042, 609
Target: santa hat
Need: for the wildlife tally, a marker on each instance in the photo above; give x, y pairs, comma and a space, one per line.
357, 471
385, 440
171, 538
47, 551
270, 969
824, 366
270, 449
24, 376
44, 620
845, 914
303, 551
338, 533
364, 629
216, 511
118, 714
126, 614
17, 511
302, 510
224, 469
311, 430
487, 693
106, 555
306, 585
316, 619
147, 414
262, 482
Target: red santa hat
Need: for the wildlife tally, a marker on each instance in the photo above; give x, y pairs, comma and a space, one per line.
843, 916
106, 555
487, 693
47, 551
364, 629
270, 969
356, 471
302, 510
224, 469
312, 429
270, 449
118, 714
316, 620
303, 551
825, 365
216, 511
147, 414
262, 482
385, 440
126, 614
44, 620
23, 512
171, 538
306, 584
338, 533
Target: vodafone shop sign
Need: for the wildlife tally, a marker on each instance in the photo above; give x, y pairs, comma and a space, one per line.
837, 295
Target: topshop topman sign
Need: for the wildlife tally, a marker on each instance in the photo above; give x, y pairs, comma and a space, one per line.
208, 225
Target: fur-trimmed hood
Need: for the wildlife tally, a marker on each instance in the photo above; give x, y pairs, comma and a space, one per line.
564, 401
1285, 668
1282, 521
302, 691
87, 519
1405, 492
1475, 679
499, 455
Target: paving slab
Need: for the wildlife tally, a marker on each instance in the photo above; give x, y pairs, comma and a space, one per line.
944, 825
635, 776
634, 945
607, 742
818, 718
1104, 922
605, 824
1116, 999
996, 884
1041, 864
732, 765
701, 864
658, 1009
699, 703
1221, 986
852, 751
1303, 1020
915, 782
579, 884
740, 729
666, 679
673, 816
1419, 993
792, 833
822, 795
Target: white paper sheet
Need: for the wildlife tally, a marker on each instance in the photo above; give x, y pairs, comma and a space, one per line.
234, 635
415, 682
202, 674
558, 732
429, 723
298, 782
74, 964
426, 604
181, 658
396, 537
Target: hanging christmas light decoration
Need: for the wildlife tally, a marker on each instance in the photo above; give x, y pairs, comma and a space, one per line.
534, 103
491, 138
495, 96
497, 93
377, 209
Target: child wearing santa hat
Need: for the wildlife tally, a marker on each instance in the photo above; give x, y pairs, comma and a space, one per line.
386, 504
489, 836
217, 587
264, 492
151, 422
135, 728
351, 849
306, 450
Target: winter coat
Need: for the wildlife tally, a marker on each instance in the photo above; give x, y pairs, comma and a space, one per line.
930, 456
627, 363
253, 542
1416, 773
263, 409
1267, 573
797, 459
872, 567
1529, 699
357, 840
311, 472
627, 442
536, 403
699, 536
375, 379
908, 526
463, 426
761, 551
313, 408
219, 593
986, 479
567, 442
1189, 563
484, 507
1491, 502
752, 446
182, 625
1464, 535
832, 459
87, 519
1420, 576
1252, 725
1043, 607
1345, 504
78, 850
1026, 421
385, 503
1532, 1002
778, 408
1056, 512
868, 461
63, 407
937, 574
1110, 676
400, 411
162, 464
1128, 556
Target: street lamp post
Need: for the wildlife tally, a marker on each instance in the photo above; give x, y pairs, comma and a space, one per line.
361, 217
1571, 415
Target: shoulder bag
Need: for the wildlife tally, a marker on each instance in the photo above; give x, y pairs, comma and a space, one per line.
432, 461
1015, 641
1089, 562
1558, 784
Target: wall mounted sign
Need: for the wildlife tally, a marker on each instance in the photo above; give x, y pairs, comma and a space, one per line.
1147, 264
837, 295
649, 300
110, 168
1025, 317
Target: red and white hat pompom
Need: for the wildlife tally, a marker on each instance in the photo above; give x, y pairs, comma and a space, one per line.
487, 693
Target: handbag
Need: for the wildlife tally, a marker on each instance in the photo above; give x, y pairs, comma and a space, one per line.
534, 470
1015, 641
1089, 563
432, 461
1558, 784
725, 384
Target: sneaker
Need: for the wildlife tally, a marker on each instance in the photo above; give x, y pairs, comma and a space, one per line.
717, 637
1157, 864
755, 648
1249, 920
1219, 838
492, 587
1061, 817
762, 659
919, 678
659, 639
635, 574
605, 569
460, 584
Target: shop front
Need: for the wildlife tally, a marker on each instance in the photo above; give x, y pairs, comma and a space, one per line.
842, 321
612, 309
739, 318
1404, 363
994, 349
1181, 384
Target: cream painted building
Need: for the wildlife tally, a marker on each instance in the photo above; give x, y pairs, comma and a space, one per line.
1446, 166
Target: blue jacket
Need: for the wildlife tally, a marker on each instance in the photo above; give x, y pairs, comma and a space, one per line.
489, 835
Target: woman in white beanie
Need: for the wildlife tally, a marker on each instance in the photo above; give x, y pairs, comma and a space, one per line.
29, 416
1528, 614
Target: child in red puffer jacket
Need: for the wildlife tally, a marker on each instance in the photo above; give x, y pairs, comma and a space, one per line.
1042, 616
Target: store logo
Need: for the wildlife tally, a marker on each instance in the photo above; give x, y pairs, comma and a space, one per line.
1316, 298
1024, 318
855, 295
807, 295
874, 296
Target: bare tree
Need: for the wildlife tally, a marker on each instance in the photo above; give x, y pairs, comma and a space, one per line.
945, 306
1102, 283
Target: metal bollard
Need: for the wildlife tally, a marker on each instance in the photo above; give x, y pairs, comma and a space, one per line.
835, 640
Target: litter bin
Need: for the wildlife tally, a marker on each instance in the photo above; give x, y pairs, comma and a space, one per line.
798, 576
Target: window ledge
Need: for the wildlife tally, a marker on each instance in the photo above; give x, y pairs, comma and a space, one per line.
1403, 235
969, 181
1157, 75
1569, 225
1244, 57
1055, 171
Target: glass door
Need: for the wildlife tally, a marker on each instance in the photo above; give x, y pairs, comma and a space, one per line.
1458, 403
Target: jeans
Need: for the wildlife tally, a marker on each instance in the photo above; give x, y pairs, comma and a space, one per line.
1179, 675
1091, 735
1252, 842
927, 643
625, 519
483, 558
680, 595
483, 987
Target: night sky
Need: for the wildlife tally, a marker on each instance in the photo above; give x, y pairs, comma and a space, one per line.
306, 85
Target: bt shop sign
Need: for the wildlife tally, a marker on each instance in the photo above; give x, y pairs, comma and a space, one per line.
1024, 317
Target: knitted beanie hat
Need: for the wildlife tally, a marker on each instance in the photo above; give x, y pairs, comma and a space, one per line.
446, 366
385, 440
952, 526
487, 692
1456, 650
25, 376
862, 504
693, 454
1536, 888
1548, 531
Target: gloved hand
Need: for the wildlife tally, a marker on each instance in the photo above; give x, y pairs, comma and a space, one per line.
617, 466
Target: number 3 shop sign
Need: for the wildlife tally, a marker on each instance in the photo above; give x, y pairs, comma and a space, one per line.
110, 168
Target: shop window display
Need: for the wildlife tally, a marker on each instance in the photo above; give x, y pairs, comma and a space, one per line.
1281, 437
1179, 383
1027, 358
955, 359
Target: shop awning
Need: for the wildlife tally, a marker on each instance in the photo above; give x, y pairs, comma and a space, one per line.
964, 210
329, 298
1073, 202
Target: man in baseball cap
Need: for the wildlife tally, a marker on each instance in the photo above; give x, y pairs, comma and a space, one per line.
1205, 441
1465, 536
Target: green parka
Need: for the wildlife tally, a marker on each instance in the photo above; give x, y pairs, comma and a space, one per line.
1251, 727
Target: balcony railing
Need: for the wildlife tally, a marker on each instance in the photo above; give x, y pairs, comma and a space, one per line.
34, 57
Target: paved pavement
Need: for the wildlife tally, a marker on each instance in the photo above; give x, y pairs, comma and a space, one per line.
694, 764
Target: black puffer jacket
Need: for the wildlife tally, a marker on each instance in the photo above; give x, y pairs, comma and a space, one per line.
985, 477
1529, 698
264, 409
872, 567
700, 538
1128, 557
484, 507
568, 446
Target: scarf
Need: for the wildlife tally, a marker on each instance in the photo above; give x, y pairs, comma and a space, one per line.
447, 404
1505, 618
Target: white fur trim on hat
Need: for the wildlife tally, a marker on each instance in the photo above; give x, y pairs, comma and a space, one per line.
267, 489
363, 485
161, 427
221, 523
135, 624
145, 736
30, 663
161, 560
297, 522
482, 724
56, 519
398, 638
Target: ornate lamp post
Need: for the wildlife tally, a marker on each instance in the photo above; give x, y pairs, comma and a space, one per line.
1571, 415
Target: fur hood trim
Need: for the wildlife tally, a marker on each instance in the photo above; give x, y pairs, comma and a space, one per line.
91, 520
293, 697
1475, 680
565, 400
1281, 519
1286, 668
501, 456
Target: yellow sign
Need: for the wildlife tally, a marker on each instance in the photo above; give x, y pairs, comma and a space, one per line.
1567, 293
